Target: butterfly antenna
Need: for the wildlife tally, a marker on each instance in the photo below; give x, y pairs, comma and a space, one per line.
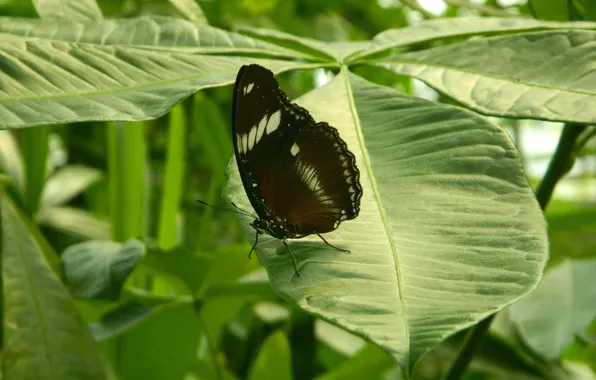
254, 245
238, 210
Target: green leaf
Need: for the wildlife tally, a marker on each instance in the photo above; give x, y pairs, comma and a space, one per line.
571, 232
11, 161
512, 76
80, 10
274, 361
113, 74
76, 222
121, 319
549, 327
368, 363
497, 355
590, 9
461, 27
324, 51
555, 10
162, 346
449, 231
190, 10
189, 268
68, 182
98, 269
45, 337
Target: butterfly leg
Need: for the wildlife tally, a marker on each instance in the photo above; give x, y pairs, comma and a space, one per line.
254, 245
293, 257
332, 246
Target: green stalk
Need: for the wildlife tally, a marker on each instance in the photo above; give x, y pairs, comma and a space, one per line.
127, 179
34, 147
167, 233
561, 162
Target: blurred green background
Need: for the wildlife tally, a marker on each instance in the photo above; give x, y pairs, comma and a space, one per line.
186, 152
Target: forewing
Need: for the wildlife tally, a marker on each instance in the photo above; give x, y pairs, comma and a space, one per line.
265, 124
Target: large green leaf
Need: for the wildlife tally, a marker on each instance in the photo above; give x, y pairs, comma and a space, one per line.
462, 27
542, 75
130, 69
549, 327
449, 230
45, 336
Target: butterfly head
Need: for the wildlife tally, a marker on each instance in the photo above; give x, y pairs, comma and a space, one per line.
277, 228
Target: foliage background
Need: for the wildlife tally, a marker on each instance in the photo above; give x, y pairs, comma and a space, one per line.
245, 329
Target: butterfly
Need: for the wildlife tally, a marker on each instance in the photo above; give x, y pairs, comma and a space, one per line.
298, 174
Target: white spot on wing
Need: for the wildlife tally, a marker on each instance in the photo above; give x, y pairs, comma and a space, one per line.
251, 137
308, 174
274, 121
261, 130
294, 149
245, 143
263, 122
239, 143
248, 88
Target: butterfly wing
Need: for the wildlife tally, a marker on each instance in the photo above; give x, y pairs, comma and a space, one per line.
325, 175
295, 172
265, 123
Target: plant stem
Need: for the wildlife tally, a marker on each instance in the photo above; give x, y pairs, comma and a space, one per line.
210, 346
584, 138
560, 163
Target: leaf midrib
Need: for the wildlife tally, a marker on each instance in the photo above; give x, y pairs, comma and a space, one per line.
377, 198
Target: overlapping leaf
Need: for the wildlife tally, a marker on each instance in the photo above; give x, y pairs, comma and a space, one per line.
45, 337
544, 75
549, 327
449, 230
133, 69
446, 28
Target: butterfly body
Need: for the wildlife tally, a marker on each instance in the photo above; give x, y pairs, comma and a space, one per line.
298, 174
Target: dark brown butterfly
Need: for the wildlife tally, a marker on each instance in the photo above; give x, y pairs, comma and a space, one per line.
299, 175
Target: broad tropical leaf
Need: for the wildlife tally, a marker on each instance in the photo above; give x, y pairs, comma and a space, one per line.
542, 75
45, 336
70, 72
449, 230
549, 327
462, 27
